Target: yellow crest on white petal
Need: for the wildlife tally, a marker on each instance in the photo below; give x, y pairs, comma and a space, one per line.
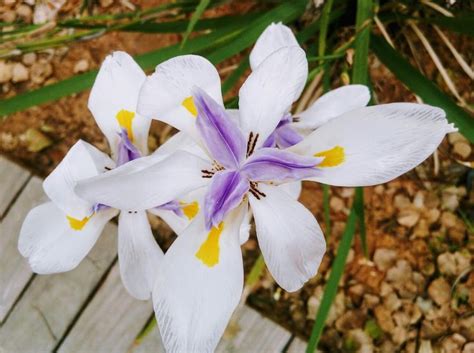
332, 157
125, 119
77, 224
209, 250
188, 103
190, 209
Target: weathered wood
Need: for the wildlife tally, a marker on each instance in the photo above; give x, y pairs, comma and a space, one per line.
110, 322
42, 316
253, 334
15, 271
297, 345
12, 179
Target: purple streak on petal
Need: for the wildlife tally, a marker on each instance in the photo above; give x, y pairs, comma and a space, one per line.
172, 206
225, 192
99, 207
271, 140
272, 164
286, 136
221, 135
126, 149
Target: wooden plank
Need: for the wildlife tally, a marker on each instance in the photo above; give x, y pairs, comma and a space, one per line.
297, 345
12, 179
254, 334
110, 322
15, 271
45, 311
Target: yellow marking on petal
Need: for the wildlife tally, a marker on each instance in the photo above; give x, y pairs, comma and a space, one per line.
208, 253
332, 157
77, 224
125, 118
188, 103
190, 209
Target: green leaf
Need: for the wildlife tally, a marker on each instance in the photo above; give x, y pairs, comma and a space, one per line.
421, 86
463, 23
202, 6
360, 75
330, 291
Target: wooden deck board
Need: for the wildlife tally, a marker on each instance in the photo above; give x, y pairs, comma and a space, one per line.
12, 179
110, 322
88, 309
41, 317
15, 271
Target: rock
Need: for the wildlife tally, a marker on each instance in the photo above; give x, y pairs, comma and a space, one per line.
25, 12
431, 329
462, 149
392, 302
6, 71
29, 59
351, 319
425, 305
36, 140
106, 3
40, 71
456, 137
384, 258
468, 348
336, 204
453, 343
453, 264
425, 347
363, 339
81, 66
370, 301
467, 327
384, 318
8, 16
312, 307
399, 335
46, 10
408, 217
440, 291
19, 73
401, 201
400, 273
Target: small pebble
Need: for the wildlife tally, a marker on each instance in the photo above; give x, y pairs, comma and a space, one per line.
384, 258
40, 71
408, 218
6, 71
24, 11
81, 66
462, 149
29, 59
440, 291
19, 73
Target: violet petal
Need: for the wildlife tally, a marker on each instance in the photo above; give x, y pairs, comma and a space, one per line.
286, 136
225, 192
126, 149
271, 164
173, 206
221, 135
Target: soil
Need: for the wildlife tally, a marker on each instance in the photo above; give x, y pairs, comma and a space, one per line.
415, 288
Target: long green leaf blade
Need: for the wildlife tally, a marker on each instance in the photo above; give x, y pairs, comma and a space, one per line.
421, 86
202, 6
330, 291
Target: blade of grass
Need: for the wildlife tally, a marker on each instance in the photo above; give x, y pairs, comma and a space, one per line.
421, 86
200, 8
330, 291
360, 75
240, 38
460, 23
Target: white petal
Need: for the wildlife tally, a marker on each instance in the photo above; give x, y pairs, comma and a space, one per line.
379, 142
289, 236
192, 201
51, 244
246, 226
116, 88
293, 189
193, 301
163, 93
81, 162
181, 142
139, 254
274, 37
270, 90
333, 104
126, 188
